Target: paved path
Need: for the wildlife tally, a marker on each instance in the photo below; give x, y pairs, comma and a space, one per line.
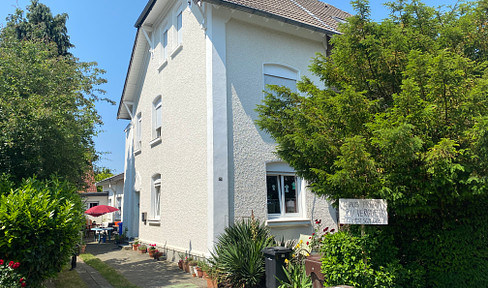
139, 269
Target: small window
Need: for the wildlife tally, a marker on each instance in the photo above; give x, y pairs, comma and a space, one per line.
156, 197
164, 44
157, 118
92, 204
280, 75
138, 141
283, 191
179, 26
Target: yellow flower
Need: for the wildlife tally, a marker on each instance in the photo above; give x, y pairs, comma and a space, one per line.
301, 241
293, 255
307, 254
298, 245
286, 261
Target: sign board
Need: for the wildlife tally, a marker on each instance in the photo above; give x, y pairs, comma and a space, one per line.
363, 211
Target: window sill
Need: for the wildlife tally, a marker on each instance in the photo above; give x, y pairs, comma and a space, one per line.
280, 222
165, 62
177, 50
155, 142
154, 222
137, 152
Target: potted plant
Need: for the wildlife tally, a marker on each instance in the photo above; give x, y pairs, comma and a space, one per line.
158, 255
135, 245
180, 262
186, 265
193, 266
152, 248
199, 269
142, 249
210, 274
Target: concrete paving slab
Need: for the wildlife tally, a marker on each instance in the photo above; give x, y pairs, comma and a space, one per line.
141, 270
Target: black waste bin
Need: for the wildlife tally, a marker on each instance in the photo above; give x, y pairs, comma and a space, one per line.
274, 263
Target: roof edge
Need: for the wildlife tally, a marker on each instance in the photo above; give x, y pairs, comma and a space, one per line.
144, 13
270, 15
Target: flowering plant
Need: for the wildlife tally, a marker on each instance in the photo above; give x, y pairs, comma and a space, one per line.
153, 247
318, 235
9, 276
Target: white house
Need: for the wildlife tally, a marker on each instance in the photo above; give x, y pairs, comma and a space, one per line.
195, 161
114, 188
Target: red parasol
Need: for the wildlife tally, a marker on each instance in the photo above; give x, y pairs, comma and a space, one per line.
100, 210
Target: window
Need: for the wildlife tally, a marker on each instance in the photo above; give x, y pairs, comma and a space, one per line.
283, 191
164, 44
179, 25
138, 141
280, 75
92, 204
157, 118
156, 197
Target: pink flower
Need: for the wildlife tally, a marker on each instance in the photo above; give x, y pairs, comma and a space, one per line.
326, 228
313, 233
309, 237
332, 230
1, 261
16, 265
11, 263
23, 284
307, 242
21, 280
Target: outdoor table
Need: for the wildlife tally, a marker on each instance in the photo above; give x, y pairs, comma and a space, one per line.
99, 232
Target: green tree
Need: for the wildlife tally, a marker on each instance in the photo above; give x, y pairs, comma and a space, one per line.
40, 24
102, 173
404, 118
47, 101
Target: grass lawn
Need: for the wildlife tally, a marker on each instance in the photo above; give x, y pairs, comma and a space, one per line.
67, 279
113, 277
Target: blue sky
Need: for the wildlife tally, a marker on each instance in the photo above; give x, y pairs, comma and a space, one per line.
103, 31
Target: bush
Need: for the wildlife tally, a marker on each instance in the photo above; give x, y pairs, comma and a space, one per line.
345, 262
39, 226
237, 256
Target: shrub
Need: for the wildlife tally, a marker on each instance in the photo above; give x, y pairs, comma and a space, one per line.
39, 226
345, 262
9, 275
238, 257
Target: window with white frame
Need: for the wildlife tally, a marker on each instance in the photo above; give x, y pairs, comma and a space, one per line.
179, 26
164, 43
156, 197
275, 74
92, 204
138, 132
283, 191
157, 117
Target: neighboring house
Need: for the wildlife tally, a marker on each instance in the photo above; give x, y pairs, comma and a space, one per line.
91, 197
195, 161
114, 187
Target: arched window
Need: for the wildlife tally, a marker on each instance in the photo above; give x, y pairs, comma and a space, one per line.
275, 74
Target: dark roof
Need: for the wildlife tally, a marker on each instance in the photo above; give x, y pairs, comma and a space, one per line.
312, 13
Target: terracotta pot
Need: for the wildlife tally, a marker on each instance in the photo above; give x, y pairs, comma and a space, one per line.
199, 272
186, 267
180, 264
211, 283
151, 252
83, 248
135, 247
142, 251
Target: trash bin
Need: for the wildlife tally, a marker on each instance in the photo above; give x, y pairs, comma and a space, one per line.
274, 264
120, 228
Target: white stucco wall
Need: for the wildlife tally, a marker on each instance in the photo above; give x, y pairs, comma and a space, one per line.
249, 46
180, 157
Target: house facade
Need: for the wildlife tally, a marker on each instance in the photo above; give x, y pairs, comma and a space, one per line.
114, 189
195, 161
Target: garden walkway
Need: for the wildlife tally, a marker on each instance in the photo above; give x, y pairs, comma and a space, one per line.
139, 269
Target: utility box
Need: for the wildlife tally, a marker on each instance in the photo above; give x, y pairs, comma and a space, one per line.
274, 264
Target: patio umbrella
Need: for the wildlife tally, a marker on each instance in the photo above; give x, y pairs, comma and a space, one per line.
100, 210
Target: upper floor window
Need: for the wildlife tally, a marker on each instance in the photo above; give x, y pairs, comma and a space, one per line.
157, 117
280, 75
283, 191
179, 26
164, 44
138, 132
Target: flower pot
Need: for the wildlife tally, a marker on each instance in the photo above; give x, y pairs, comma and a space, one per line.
193, 271
211, 283
142, 251
151, 253
199, 272
180, 264
83, 248
134, 246
186, 267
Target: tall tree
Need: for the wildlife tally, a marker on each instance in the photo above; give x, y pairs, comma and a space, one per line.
404, 118
40, 24
47, 100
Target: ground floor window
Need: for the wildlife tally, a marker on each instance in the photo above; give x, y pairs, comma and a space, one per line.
156, 197
283, 191
92, 204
